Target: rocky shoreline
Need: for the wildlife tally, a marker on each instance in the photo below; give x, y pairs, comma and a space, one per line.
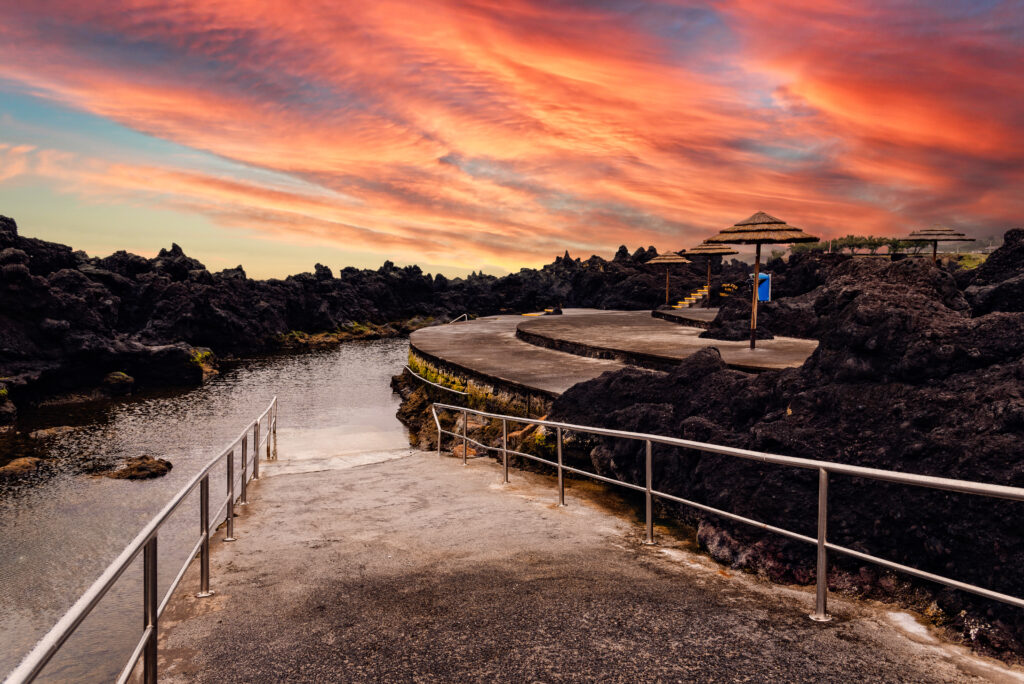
68, 320
918, 369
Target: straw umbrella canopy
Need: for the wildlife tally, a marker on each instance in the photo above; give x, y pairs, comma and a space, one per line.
668, 259
935, 236
759, 229
708, 250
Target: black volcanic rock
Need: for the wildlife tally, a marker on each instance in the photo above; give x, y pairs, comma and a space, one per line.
1004, 263
798, 290
803, 272
142, 468
998, 284
904, 379
8, 228
322, 272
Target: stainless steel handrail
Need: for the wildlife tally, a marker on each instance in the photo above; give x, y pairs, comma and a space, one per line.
145, 542
461, 317
824, 468
420, 377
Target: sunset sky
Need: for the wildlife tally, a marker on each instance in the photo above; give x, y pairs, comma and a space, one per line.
496, 134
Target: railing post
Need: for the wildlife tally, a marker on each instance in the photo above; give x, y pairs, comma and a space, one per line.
821, 594
256, 450
465, 428
150, 606
270, 431
504, 448
561, 478
440, 435
229, 517
245, 469
274, 430
648, 499
204, 549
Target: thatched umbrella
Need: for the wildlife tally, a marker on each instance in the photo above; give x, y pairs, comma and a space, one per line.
760, 229
668, 259
935, 236
708, 250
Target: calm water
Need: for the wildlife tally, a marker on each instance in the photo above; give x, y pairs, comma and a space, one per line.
58, 536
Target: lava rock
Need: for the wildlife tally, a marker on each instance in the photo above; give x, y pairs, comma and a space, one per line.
118, 384
48, 433
13, 256
8, 411
8, 228
142, 468
1004, 263
19, 467
998, 284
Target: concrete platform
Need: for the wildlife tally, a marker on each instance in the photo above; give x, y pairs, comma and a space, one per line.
488, 348
418, 569
635, 337
549, 354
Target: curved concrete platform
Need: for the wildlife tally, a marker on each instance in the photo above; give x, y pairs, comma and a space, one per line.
637, 338
547, 355
489, 349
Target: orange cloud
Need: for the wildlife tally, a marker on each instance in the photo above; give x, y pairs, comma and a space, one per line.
504, 132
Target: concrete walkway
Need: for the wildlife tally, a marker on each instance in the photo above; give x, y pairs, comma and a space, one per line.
418, 569
637, 337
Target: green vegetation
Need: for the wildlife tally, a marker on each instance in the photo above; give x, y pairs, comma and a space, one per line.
858, 243
355, 330
971, 260
201, 358
3, 393
428, 372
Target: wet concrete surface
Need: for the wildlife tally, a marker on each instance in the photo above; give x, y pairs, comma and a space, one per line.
636, 336
488, 347
418, 569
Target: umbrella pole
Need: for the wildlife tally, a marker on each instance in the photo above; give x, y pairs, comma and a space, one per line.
666, 284
935, 252
753, 309
709, 280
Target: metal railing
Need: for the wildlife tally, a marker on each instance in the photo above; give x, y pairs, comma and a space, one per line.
460, 317
824, 468
146, 544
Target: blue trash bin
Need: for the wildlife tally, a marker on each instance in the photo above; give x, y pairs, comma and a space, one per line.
764, 288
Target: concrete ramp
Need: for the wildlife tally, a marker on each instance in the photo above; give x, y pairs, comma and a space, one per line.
420, 569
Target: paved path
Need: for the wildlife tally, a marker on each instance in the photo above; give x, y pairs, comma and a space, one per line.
418, 569
489, 347
636, 336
